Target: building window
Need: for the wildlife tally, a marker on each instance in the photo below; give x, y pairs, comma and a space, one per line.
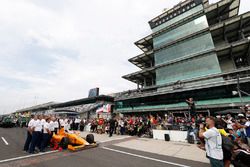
241, 62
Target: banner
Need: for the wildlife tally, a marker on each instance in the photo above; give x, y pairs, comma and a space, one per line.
105, 108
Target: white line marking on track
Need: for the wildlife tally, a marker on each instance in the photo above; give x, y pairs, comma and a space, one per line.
6, 143
27, 156
144, 157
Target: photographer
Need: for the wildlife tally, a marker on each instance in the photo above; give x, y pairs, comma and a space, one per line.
213, 142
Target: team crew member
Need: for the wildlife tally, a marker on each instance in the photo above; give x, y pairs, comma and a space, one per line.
61, 121
56, 125
52, 128
77, 122
66, 125
40, 137
213, 143
36, 133
43, 121
29, 135
46, 135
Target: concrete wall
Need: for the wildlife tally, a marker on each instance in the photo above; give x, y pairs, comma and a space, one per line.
177, 136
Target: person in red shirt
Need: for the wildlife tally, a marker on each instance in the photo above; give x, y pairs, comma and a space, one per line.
100, 125
131, 122
100, 121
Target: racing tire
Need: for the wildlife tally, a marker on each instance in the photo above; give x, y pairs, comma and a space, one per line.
64, 143
90, 138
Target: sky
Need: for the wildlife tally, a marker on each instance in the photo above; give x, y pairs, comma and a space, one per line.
56, 50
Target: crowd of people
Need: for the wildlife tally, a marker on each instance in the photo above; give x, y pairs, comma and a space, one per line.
122, 125
226, 138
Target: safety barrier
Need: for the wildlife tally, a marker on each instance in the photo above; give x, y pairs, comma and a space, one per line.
177, 136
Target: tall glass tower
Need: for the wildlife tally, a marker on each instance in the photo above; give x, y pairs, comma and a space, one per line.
196, 49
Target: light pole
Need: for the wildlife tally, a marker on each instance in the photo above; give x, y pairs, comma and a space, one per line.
238, 88
239, 91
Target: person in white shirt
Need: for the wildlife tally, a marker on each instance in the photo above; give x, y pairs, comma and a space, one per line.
246, 127
29, 134
61, 121
213, 142
122, 128
36, 133
56, 125
43, 121
71, 124
66, 120
77, 122
229, 121
66, 125
40, 127
52, 128
46, 135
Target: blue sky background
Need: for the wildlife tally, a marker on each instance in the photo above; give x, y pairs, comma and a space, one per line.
56, 50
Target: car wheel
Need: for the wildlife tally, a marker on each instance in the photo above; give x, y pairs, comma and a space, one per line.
64, 143
90, 138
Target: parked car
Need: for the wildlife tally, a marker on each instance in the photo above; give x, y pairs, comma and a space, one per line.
7, 122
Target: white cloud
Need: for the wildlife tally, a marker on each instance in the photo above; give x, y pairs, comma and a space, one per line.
57, 50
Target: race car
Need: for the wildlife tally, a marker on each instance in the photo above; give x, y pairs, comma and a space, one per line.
72, 141
7, 122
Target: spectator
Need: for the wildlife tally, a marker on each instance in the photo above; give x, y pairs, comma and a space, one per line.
247, 129
234, 133
111, 126
213, 142
191, 106
82, 124
229, 121
77, 122
122, 128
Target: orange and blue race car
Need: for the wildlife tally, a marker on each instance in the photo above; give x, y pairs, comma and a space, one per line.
72, 141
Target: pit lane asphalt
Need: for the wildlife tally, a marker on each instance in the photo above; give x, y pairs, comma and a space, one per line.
102, 156
15, 138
